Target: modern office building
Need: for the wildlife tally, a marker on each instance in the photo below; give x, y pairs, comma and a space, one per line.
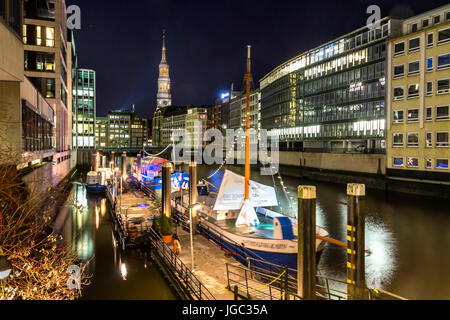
126, 130
331, 98
164, 97
418, 118
196, 126
46, 59
84, 111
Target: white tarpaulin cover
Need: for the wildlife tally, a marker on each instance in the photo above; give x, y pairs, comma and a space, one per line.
231, 193
247, 216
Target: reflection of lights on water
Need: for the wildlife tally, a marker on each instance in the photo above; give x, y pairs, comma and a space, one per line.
103, 207
97, 218
380, 264
123, 271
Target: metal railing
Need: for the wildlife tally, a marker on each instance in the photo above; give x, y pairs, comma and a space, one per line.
192, 285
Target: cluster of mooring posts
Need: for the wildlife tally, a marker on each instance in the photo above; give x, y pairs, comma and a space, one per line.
200, 269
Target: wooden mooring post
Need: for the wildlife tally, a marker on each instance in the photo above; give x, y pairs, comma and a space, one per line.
138, 173
193, 195
356, 216
307, 242
124, 165
166, 189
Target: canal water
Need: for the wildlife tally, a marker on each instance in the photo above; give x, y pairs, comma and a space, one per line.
88, 231
408, 236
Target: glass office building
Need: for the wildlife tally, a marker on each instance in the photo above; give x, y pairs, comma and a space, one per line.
332, 98
84, 109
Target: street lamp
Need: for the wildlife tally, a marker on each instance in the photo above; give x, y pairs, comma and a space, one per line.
5, 268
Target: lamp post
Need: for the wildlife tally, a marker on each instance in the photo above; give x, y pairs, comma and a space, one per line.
192, 207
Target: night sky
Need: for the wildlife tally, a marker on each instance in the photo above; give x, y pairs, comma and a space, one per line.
206, 42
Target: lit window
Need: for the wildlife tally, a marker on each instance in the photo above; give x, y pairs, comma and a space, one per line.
412, 162
38, 36
50, 42
25, 34
397, 162
428, 163
441, 139
428, 140
430, 64
442, 164
443, 36
397, 140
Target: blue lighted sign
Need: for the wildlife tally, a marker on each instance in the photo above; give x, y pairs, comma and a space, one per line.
224, 95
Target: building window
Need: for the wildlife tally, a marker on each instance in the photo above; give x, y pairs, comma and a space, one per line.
443, 36
3, 9
397, 162
442, 164
413, 45
399, 71
430, 39
413, 140
397, 139
442, 139
430, 64
447, 16
413, 68
399, 93
428, 163
443, 86
38, 36
443, 61
50, 88
429, 116
50, 37
428, 140
442, 113
425, 23
398, 116
412, 162
413, 91
414, 27
413, 115
429, 88
399, 49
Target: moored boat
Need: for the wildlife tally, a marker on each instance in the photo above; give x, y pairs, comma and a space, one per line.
95, 182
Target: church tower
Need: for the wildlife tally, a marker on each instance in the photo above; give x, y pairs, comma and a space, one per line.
164, 97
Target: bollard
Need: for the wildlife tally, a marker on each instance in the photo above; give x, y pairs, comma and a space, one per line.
138, 170
193, 194
124, 165
356, 207
166, 189
236, 293
306, 269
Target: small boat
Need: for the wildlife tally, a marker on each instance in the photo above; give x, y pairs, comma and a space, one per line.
94, 182
151, 176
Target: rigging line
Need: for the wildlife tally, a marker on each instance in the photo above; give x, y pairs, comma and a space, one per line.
156, 155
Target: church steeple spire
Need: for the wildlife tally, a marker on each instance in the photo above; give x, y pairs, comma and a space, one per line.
164, 97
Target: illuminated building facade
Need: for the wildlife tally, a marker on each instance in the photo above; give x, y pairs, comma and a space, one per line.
331, 98
126, 129
84, 111
418, 119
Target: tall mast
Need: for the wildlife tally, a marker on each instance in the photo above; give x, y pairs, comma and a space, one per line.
248, 77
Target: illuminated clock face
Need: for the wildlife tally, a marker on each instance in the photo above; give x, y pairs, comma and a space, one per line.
165, 102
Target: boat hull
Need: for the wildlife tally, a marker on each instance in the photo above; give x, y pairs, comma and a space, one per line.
95, 188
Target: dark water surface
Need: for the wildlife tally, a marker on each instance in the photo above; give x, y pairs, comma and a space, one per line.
89, 233
409, 236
